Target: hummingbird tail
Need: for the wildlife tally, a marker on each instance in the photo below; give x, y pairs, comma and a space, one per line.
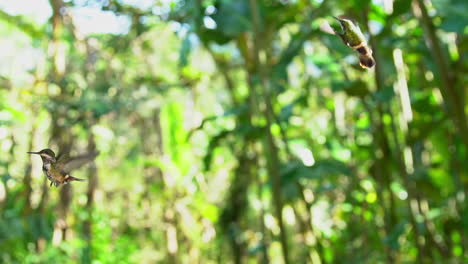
71, 178
366, 61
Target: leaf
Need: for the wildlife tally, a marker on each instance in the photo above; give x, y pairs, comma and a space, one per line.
454, 14
287, 111
185, 50
209, 35
214, 142
5, 83
232, 18
235, 111
293, 171
392, 238
175, 135
454, 23
241, 130
385, 95
9, 114
22, 24
356, 88
377, 14
209, 211
400, 7
259, 247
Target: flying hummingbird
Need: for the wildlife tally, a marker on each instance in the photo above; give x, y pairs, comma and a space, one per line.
352, 36
57, 169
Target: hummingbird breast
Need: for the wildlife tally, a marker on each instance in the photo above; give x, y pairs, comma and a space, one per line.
46, 167
50, 173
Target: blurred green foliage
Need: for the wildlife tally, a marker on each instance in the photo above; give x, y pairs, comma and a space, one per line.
235, 131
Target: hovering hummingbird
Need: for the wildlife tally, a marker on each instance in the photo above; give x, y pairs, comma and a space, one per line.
352, 36
57, 169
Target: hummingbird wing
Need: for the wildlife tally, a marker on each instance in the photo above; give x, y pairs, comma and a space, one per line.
62, 156
66, 165
341, 33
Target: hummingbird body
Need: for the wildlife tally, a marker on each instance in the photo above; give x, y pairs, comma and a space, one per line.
57, 169
352, 36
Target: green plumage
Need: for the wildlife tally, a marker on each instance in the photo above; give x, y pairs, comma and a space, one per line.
352, 36
351, 33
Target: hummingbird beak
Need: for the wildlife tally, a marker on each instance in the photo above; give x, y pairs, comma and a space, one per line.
32, 152
337, 18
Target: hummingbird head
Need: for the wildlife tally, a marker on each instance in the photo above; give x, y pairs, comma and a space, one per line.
46, 154
346, 23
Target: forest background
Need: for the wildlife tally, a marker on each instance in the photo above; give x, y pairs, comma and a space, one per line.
234, 131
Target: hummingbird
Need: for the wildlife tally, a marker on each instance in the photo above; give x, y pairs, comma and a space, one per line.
57, 169
352, 36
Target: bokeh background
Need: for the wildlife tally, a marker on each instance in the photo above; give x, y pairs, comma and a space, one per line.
234, 131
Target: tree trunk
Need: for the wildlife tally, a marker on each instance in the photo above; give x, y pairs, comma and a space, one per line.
452, 95
270, 149
92, 186
28, 173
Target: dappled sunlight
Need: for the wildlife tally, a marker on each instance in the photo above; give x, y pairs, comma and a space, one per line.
233, 131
